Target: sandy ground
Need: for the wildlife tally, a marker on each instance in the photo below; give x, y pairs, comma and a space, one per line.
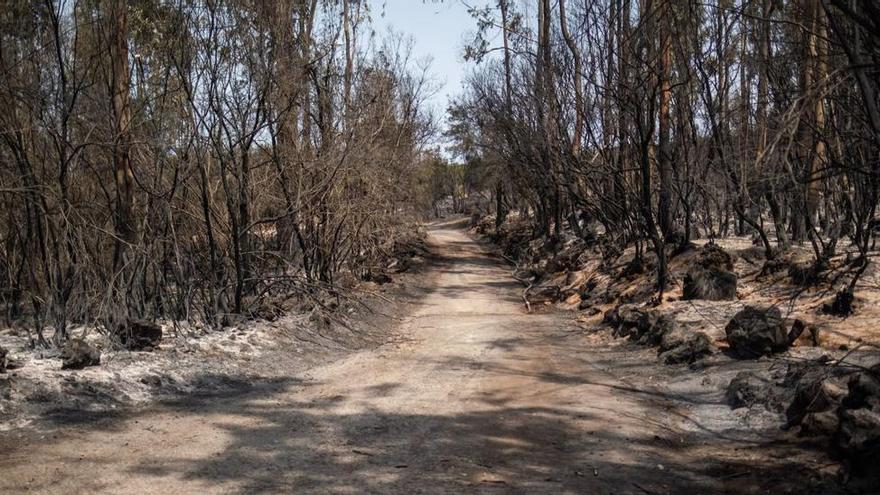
473, 395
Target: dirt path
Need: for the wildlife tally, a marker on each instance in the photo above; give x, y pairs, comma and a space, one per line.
476, 396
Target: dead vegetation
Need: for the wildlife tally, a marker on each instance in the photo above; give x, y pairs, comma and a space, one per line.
819, 368
172, 173
198, 162
702, 177
148, 361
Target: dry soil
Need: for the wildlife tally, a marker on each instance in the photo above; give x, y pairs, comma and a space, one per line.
473, 395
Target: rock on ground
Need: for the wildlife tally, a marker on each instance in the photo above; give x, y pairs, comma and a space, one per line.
814, 394
77, 354
139, 335
858, 436
633, 321
686, 350
820, 423
710, 284
648, 327
711, 277
713, 256
756, 332
663, 325
543, 294
860, 432
746, 389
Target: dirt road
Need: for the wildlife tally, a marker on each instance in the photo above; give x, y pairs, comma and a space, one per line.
474, 396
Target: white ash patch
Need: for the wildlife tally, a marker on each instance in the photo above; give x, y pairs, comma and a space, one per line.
37, 384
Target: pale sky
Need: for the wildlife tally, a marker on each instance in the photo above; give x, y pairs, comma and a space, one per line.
439, 31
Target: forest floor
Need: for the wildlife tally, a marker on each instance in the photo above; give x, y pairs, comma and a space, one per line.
468, 393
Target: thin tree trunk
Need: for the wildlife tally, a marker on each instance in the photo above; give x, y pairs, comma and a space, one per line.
664, 161
126, 229
349, 56
578, 79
